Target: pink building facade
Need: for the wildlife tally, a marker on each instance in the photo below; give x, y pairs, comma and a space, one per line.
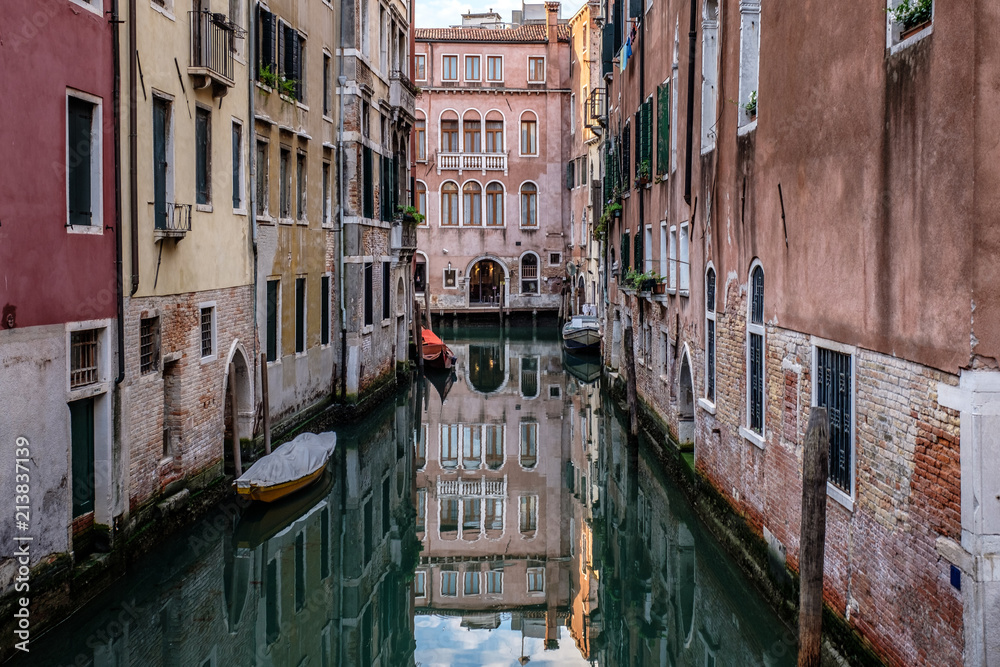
490, 166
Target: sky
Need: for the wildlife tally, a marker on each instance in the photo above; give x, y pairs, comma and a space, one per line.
444, 13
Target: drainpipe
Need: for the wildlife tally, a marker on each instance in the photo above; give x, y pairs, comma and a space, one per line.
642, 100
342, 81
251, 148
692, 35
116, 96
133, 149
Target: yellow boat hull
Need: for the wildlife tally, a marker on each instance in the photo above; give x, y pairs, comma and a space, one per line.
268, 494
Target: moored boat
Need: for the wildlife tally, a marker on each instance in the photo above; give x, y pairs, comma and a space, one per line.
289, 468
582, 333
436, 353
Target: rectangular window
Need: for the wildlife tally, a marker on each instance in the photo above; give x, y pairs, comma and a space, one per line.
749, 62
494, 513
83, 165
449, 446
300, 315
327, 85
421, 510
834, 392
471, 583
285, 174
494, 68
327, 204
272, 319
421, 130
272, 612
203, 148
207, 332
369, 187
149, 345
83, 358
262, 171
472, 68
449, 277
710, 335
81, 418
536, 69
684, 261
529, 137
756, 361
324, 543
449, 68
529, 432
420, 67
369, 297
472, 510
300, 570
163, 153
237, 166
300, 187
673, 258
528, 521
386, 513
472, 447
664, 257
647, 249
536, 580
419, 584
449, 584
386, 291
494, 582
324, 309
449, 136
494, 136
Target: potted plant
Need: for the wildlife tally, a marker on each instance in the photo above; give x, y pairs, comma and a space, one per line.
615, 210
751, 106
267, 77
648, 281
411, 215
287, 87
912, 15
659, 287
643, 175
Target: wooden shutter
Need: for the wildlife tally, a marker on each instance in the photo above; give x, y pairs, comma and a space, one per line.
647, 133
368, 185
290, 38
639, 258
80, 122
607, 48
569, 174
663, 128
272, 320
81, 417
626, 255
266, 29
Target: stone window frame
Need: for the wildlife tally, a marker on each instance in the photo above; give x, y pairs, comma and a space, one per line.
815, 342
893, 30
749, 70
758, 439
96, 225
209, 305
706, 403
456, 57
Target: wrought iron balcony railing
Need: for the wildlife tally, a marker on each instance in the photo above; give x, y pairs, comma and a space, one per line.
213, 41
482, 162
597, 108
171, 220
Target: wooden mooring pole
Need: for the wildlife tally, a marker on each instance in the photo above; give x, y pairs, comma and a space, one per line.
235, 412
418, 336
812, 542
266, 401
630, 390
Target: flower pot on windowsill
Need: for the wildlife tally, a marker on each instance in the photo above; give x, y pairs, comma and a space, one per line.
660, 288
913, 30
648, 285
642, 180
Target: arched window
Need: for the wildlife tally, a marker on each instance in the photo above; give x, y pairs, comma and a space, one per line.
449, 132
755, 354
529, 205
494, 205
420, 200
529, 134
529, 273
710, 334
472, 201
529, 444
449, 204
421, 132
494, 132
473, 128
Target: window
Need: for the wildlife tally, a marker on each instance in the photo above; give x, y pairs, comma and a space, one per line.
494, 68
83, 163
83, 358
472, 511
472, 68
494, 205
300, 187
529, 135
419, 584
272, 319
300, 315
710, 334
449, 68
421, 130
664, 257
369, 309
300, 570
449, 446
536, 69
448, 523
749, 61
472, 202
450, 278
327, 85
529, 440
420, 199
386, 285
421, 510
529, 384
272, 597
834, 379
207, 332
684, 263
908, 20
292, 61
529, 274
449, 582
262, 169
626, 254
149, 345
366, 29
494, 447
327, 204
449, 204
203, 152
449, 135
572, 113
471, 583
529, 205
494, 582
285, 174
472, 447
673, 257
420, 275
266, 31
709, 74
473, 134
647, 249
420, 65
365, 119
367, 172
494, 133
528, 516
536, 580
555, 258
755, 353
324, 309
237, 166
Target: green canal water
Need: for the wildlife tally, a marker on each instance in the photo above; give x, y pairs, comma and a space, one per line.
491, 516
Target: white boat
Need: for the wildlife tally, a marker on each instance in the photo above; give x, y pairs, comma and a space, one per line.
292, 466
582, 332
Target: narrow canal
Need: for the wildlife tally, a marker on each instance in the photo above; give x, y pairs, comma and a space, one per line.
487, 517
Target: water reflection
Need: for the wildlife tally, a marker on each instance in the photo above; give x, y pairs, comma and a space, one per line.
490, 516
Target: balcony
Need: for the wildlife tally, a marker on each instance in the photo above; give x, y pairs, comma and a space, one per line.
481, 162
597, 110
403, 237
213, 42
402, 94
171, 221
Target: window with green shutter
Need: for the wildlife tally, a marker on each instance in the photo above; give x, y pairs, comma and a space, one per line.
638, 253
646, 111
626, 255
663, 128
626, 161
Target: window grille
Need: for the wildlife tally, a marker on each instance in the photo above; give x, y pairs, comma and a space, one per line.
149, 345
206, 332
83, 362
833, 391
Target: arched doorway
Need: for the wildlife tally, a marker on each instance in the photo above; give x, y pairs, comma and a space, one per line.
242, 412
685, 405
487, 367
486, 283
581, 295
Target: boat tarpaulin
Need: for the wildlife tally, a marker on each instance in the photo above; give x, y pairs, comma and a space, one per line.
293, 460
433, 345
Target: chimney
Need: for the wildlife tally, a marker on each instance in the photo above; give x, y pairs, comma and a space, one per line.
552, 21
